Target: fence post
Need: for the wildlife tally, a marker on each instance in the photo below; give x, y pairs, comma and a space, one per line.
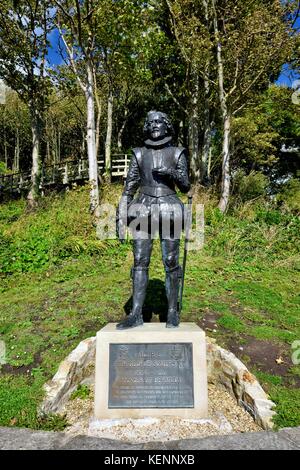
66, 176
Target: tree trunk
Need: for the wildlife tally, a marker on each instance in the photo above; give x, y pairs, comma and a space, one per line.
5, 150
193, 128
91, 144
108, 137
99, 114
206, 121
209, 165
17, 152
36, 123
225, 188
225, 185
58, 146
48, 155
55, 146
206, 137
83, 144
181, 133
121, 131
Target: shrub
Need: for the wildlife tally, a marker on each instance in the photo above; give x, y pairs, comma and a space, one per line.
289, 196
251, 186
82, 392
2, 168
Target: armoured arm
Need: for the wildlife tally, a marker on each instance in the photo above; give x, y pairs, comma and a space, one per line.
132, 179
181, 174
131, 185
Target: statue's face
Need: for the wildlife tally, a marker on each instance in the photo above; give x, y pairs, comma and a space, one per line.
157, 128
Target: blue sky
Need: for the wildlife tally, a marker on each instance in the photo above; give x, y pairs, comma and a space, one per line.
54, 57
287, 76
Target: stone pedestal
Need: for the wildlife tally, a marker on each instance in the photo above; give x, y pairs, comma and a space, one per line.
151, 371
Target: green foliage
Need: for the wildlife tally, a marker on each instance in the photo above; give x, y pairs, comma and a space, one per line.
71, 332
272, 120
231, 322
286, 400
251, 186
52, 422
16, 134
3, 168
252, 230
289, 196
287, 407
18, 405
82, 392
254, 140
61, 228
246, 276
268, 379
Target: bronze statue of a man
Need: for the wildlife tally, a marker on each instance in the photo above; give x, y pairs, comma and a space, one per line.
155, 169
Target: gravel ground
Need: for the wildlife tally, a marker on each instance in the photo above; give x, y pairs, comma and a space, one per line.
225, 417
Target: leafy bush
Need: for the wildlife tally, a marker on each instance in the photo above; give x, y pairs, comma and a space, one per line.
2, 168
59, 229
289, 196
82, 392
251, 186
269, 216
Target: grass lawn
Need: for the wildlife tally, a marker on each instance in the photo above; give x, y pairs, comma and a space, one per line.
242, 287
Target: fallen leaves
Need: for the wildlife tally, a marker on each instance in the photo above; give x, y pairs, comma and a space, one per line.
279, 360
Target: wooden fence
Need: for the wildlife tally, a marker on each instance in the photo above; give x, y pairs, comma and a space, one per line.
63, 173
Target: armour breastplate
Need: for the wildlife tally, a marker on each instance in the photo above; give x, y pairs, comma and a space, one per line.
149, 158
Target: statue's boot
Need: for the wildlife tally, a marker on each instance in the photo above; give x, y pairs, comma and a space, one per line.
172, 290
140, 281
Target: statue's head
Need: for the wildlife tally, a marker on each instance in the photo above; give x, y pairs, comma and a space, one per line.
157, 126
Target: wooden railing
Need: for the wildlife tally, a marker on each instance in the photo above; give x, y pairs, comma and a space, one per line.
63, 173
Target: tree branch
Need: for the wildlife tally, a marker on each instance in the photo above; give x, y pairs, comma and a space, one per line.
71, 58
70, 17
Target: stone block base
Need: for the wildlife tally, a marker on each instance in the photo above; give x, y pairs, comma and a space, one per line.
151, 371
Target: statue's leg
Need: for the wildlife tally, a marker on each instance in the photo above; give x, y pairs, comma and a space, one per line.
170, 255
139, 273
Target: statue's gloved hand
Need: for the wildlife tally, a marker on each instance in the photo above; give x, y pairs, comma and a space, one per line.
163, 171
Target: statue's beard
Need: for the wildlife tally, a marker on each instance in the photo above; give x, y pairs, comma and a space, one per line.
157, 135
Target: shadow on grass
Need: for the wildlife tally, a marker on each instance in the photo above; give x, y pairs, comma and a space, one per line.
156, 303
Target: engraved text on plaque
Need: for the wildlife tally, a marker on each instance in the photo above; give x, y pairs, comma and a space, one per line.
151, 375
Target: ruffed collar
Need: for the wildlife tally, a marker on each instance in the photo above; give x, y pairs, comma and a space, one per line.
158, 143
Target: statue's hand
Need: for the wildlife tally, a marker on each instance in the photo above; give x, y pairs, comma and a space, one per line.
162, 171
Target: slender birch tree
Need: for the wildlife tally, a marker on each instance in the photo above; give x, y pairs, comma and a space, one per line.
77, 25
24, 30
252, 41
233, 48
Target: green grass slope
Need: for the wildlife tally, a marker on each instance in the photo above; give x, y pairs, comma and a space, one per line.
60, 284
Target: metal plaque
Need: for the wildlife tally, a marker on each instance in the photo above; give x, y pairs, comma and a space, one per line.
152, 375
